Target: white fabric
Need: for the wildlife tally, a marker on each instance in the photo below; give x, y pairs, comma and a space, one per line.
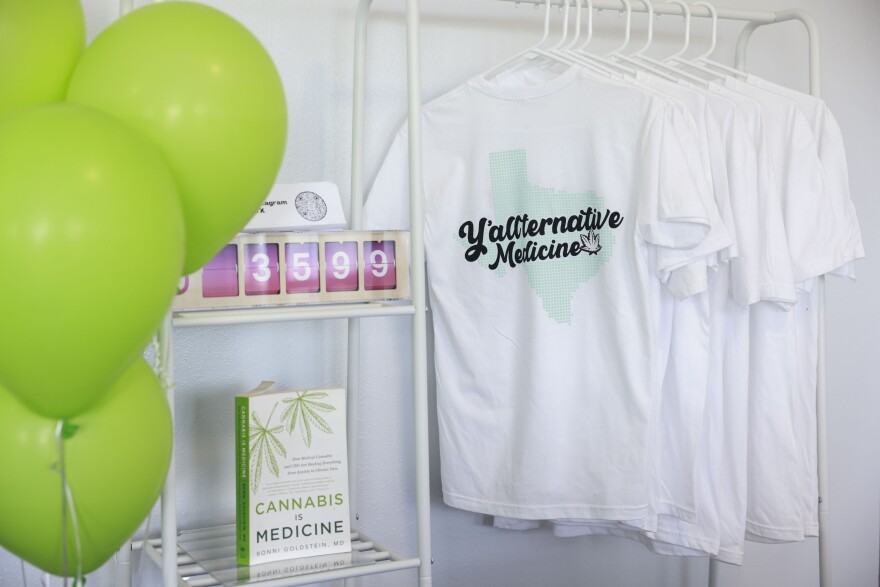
843, 236
684, 325
553, 349
774, 487
688, 407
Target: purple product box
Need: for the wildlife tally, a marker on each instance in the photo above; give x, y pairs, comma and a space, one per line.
261, 276
380, 265
303, 273
220, 275
341, 266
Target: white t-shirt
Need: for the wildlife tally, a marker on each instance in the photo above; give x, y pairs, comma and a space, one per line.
684, 325
545, 368
721, 468
775, 483
843, 235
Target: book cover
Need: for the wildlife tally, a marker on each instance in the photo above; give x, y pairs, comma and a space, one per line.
291, 474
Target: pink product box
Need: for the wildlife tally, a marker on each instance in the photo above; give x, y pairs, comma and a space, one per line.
258, 270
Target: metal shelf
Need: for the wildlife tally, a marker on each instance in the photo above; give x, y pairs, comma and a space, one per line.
369, 558
291, 313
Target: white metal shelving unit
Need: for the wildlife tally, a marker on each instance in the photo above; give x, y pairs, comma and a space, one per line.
178, 568
165, 552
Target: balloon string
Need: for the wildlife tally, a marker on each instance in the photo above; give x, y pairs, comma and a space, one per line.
59, 443
68, 504
80, 580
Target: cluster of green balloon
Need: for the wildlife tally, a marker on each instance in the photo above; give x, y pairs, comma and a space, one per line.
116, 457
123, 166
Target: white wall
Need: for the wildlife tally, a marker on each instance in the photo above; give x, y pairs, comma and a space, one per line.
311, 41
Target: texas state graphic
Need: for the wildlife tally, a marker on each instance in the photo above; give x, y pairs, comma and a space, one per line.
553, 280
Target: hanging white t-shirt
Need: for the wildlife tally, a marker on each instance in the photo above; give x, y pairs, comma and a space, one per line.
720, 484
845, 240
776, 487
678, 410
544, 340
761, 269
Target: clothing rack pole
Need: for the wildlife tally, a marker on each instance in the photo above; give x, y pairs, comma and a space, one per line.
825, 579
755, 19
759, 17
417, 255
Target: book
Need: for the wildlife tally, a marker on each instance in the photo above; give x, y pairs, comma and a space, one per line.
291, 474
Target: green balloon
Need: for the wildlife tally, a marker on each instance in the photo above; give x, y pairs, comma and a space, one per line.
116, 458
204, 90
91, 246
40, 43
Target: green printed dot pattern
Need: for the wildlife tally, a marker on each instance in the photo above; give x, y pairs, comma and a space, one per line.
555, 281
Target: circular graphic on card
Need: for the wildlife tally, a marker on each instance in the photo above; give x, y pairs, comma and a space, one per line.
310, 206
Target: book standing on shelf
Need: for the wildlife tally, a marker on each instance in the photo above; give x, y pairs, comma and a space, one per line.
291, 474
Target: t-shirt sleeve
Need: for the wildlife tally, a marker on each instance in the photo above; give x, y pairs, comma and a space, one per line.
721, 182
387, 205
671, 209
769, 262
846, 244
822, 230
683, 175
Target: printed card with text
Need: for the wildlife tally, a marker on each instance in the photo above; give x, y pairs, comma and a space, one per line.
291, 474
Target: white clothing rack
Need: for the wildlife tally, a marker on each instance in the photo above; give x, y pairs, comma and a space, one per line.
168, 558
754, 19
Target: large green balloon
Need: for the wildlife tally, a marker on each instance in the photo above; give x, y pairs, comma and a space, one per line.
40, 43
116, 454
203, 88
91, 246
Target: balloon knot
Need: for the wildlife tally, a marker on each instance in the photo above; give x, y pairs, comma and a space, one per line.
68, 429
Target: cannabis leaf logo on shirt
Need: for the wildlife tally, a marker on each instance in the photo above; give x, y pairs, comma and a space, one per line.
303, 411
590, 243
264, 445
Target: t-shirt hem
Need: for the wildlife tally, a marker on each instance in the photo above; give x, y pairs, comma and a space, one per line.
770, 534
544, 512
706, 546
505, 523
827, 265
811, 530
730, 556
685, 514
711, 243
784, 296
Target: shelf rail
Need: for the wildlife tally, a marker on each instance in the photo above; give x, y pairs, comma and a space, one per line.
417, 255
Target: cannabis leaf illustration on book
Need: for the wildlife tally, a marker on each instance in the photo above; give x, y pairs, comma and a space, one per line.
590, 243
303, 410
264, 445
